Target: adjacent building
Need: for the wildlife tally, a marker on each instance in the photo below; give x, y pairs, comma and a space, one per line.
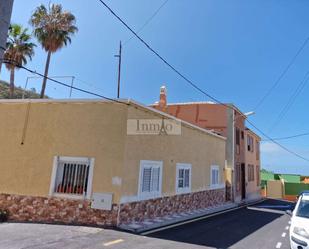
242, 145
283, 186
252, 159
104, 162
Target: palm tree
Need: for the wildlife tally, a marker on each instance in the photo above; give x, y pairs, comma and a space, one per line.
18, 49
53, 28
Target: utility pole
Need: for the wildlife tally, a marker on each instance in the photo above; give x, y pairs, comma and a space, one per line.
5, 19
119, 69
72, 82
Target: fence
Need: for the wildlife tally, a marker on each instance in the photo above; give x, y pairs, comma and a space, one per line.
293, 189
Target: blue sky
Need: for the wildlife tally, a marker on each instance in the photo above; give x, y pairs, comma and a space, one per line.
235, 50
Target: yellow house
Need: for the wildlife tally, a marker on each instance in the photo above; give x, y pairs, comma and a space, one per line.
104, 162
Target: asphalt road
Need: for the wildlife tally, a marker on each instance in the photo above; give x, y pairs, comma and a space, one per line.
256, 227
264, 225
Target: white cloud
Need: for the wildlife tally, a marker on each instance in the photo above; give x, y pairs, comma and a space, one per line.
276, 159
269, 147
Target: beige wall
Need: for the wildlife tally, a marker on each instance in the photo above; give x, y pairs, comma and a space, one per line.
80, 129
95, 129
275, 189
193, 146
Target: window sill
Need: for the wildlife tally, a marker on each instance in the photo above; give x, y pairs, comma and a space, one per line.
183, 190
68, 196
144, 197
216, 186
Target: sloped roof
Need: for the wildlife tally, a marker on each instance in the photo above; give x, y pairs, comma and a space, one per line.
290, 178
267, 176
114, 101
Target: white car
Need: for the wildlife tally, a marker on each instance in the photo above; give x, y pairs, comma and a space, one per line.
299, 229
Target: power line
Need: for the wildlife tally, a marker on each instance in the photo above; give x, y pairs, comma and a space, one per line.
289, 137
286, 69
158, 55
59, 82
147, 21
291, 100
89, 85
120, 102
192, 84
275, 142
168, 64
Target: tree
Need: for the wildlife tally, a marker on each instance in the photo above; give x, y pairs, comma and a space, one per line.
19, 49
53, 28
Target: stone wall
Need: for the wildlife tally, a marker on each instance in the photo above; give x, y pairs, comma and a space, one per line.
56, 210
159, 207
68, 211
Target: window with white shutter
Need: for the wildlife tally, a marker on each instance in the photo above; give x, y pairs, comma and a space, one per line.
214, 175
155, 179
183, 178
146, 185
150, 179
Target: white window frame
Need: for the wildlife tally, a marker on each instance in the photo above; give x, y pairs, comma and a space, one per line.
152, 194
70, 159
212, 168
184, 166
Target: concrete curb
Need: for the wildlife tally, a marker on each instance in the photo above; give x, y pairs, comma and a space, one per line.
201, 217
173, 219
180, 219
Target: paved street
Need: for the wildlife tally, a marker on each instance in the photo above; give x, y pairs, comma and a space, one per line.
261, 226
38, 236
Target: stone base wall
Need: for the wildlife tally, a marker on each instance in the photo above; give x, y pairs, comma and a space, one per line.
159, 207
56, 210
68, 211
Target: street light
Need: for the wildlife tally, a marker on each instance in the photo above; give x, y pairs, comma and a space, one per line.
245, 115
249, 113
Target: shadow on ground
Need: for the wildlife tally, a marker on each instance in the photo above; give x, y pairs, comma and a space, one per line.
225, 230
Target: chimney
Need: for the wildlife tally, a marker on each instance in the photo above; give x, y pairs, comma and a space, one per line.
162, 102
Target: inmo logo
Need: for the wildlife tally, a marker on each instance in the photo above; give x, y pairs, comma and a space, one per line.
153, 127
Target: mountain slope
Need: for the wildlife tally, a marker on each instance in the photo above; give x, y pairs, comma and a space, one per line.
18, 93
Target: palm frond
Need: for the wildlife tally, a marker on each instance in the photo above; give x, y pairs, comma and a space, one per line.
53, 27
19, 48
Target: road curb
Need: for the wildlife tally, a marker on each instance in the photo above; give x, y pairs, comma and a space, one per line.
164, 227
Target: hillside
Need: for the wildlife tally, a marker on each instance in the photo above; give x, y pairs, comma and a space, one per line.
18, 93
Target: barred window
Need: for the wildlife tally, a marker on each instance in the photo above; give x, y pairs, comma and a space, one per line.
72, 176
